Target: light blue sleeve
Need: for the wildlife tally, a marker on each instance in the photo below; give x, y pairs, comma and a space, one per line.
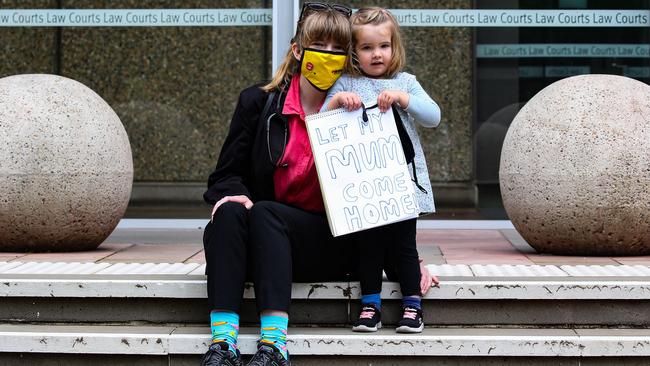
337, 87
423, 109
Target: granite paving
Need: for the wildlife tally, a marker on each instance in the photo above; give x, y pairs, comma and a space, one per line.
436, 246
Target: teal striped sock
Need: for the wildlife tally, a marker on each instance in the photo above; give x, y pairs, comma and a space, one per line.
225, 328
274, 332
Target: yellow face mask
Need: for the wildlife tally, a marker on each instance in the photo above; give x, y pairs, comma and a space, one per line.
322, 68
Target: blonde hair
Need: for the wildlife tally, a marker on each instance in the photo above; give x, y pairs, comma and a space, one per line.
377, 16
322, 25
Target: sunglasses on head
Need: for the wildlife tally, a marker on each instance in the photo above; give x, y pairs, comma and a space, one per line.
317, 6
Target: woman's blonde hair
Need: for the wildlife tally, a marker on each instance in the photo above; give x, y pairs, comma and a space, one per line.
377, 16
322, 25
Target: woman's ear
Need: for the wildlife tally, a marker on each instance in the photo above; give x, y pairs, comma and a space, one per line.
297, 52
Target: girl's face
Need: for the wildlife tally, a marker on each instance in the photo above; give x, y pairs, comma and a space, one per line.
374, 49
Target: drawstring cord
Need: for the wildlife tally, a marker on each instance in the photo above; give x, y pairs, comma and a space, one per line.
364, 115
415, 179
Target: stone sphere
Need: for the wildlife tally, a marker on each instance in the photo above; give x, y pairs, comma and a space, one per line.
66, 169
575, 167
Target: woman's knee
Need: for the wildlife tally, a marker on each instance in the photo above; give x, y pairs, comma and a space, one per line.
262, 211
267, 226
229, 221
229, 211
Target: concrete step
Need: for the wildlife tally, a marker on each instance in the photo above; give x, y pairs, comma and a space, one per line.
459, 300
180, 280
316, 346
331, 342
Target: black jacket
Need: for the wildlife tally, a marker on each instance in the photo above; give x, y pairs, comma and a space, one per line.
244, 166
255, 145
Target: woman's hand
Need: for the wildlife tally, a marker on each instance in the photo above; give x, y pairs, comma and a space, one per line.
349, 101
239, 199
426, 279
388, 97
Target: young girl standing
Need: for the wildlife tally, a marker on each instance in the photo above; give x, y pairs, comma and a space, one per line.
374, 75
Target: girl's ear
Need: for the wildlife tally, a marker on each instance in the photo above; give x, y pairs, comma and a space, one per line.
297, 52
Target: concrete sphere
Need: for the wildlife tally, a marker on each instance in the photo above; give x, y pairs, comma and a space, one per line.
575, 167
65, 165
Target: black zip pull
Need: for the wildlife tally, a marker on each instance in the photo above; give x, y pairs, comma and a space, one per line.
364, 115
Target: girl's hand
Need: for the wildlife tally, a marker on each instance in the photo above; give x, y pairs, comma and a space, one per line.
239, 199
426, 279
386, 99
349, 101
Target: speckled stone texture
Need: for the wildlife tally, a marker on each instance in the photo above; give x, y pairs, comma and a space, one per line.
27, 50
575, 167
65, 165
174, 88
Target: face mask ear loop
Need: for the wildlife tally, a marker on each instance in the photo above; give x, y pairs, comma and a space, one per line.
302, 57
364, 115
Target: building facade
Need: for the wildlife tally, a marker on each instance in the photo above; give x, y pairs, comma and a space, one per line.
172, 70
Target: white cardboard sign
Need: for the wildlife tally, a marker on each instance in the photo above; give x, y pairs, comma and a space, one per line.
362, 170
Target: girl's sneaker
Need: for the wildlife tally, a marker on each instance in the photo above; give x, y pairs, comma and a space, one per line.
411, 321
369, 319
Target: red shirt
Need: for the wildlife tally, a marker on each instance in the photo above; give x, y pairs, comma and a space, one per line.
295, 177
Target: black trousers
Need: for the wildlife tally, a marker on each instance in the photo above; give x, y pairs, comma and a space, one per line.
274, 245
391, 248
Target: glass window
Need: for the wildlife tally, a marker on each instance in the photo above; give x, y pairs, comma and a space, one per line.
173, 87
513, 63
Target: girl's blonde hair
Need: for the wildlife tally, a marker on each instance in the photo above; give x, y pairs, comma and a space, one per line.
377, 16
322, 25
